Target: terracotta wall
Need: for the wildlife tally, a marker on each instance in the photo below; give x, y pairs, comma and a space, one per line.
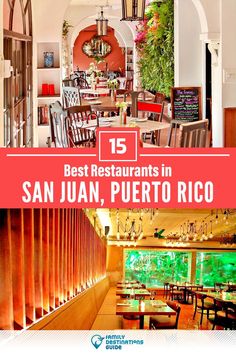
115, 60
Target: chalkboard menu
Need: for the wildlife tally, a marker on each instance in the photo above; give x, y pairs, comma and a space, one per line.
186, 103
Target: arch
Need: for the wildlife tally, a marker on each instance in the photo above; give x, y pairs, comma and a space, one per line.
125, 37
202, 15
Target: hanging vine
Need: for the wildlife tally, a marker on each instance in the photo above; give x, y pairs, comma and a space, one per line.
155, 44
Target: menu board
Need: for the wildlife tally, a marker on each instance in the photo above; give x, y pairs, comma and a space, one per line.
186, 103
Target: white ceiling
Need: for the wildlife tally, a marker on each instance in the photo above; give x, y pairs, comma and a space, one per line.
95, 2
170, 220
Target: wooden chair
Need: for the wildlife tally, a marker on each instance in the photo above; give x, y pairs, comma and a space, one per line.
101, 111
191, 292
166, 289
175, 293
122, 83
81, 83
194, 134
203, 306
231, 288
165, 322
129, 85
82, 113
225, 315
122, 92
159, 97
218, 286
68, 83
57, 125
77, 133
79, 73
71, 97
154, 111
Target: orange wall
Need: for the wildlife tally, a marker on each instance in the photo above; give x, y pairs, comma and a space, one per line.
115, 60
115, 263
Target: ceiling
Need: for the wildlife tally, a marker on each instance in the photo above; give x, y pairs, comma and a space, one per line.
95, 2
169, 220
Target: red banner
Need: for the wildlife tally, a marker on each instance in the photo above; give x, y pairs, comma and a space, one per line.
118, 173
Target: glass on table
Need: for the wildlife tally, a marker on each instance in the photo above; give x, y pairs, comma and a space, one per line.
152, 295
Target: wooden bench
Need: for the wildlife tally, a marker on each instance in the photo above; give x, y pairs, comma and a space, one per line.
107, 322
79, 313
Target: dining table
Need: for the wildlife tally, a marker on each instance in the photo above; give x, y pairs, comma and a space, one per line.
143, 308
131, 292
223, 296
145, 125
101, 98
95, 92
128, 282
129, 286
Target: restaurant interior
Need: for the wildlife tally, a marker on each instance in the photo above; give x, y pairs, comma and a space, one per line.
137, 63
113, 269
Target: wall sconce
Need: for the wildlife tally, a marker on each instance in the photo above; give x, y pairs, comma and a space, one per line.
133, 10
102, 25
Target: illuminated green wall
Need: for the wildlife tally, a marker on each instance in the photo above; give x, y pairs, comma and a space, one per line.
215, 267
153, 268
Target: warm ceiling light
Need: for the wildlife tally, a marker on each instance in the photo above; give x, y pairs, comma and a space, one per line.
133, 10
102, 25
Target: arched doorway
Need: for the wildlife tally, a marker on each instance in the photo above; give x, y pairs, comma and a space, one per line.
18, 106
210, 35
114, 61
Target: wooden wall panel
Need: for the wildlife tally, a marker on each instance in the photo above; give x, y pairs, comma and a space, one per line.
29, 265
65, 270
57, 258
6, 295
38, 262
47, 257
51, 259
61, 263
18, 279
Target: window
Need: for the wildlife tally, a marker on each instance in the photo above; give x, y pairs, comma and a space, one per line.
215, 267
153, 268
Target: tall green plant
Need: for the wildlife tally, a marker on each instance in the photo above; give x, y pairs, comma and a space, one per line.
156, 62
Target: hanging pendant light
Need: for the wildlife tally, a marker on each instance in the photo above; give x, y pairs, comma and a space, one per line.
102, 25
133, 10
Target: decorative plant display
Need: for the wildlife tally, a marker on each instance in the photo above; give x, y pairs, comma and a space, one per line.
112, 84
65, 28
215, 268
122, 105
155, 44
122, 111
157, 267
94, 73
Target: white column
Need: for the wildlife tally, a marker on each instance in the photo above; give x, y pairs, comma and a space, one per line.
217, 110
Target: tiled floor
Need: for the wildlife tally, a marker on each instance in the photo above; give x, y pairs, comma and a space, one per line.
107, 319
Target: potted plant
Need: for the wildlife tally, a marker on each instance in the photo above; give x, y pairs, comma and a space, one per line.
66, 28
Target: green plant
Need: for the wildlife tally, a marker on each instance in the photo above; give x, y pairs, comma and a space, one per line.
156, 64
65, 28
